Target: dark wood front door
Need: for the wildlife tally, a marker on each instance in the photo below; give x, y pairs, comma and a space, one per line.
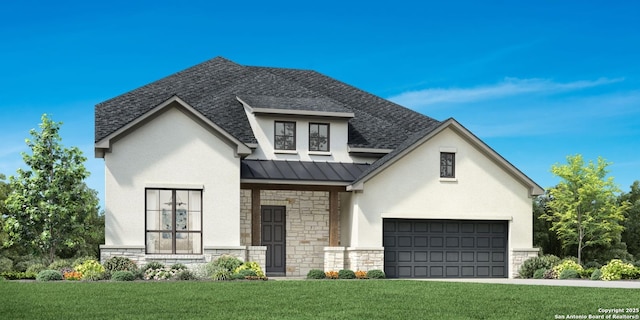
273, 237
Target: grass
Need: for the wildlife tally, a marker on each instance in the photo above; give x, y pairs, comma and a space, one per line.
320, 299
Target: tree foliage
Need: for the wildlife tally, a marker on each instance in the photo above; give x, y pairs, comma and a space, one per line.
584, 210
631, 234
543, 237
49, 203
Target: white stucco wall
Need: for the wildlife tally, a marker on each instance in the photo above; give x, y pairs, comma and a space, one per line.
173, 151
412, 188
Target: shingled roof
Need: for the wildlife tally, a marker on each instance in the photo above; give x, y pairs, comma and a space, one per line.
212, 87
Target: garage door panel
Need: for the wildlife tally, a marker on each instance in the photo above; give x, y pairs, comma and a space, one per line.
445, 248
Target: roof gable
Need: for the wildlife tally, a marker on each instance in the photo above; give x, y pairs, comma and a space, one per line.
421, 137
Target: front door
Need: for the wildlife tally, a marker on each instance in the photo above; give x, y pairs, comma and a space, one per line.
273, 237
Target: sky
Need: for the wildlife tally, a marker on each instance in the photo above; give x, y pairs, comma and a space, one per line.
536, 80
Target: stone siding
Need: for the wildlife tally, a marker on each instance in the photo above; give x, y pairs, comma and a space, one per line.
334, 258
365, 259
519, 256
245, 217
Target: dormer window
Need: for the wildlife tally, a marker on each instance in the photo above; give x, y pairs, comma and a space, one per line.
318, 137
285, 135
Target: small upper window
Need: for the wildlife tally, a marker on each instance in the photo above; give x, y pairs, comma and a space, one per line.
447, 165
285, 135
318, 137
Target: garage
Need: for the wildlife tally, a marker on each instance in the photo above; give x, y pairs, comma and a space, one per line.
423, 248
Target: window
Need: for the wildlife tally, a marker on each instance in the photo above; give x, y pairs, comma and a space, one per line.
318, 137
174, 221
285, 135
447, 165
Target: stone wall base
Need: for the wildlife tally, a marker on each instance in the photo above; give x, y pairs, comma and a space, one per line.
364, 259
137, 254
334, 258
519, 256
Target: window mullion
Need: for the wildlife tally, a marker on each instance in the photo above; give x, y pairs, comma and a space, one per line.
173, 221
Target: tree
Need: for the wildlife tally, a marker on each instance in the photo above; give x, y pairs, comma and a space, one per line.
584, 211
631, 234
543, 237
48, 203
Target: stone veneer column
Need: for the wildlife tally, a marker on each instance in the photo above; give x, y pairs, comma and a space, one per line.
334, 258
365, 259
257, 254
519, 256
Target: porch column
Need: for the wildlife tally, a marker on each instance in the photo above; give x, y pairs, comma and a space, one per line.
334, 219
256, 217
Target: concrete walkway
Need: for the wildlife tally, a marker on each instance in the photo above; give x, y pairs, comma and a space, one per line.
628, 284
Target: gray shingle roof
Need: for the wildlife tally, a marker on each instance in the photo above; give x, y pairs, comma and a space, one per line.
302, 104
212, 86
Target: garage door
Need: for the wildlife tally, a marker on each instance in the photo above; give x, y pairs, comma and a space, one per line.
445, 248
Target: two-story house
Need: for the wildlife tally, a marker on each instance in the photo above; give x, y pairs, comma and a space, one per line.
298, 171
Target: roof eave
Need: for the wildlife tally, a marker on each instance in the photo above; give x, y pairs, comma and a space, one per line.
104, 145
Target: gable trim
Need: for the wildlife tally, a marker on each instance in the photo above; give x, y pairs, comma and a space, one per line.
534, 188
103, 146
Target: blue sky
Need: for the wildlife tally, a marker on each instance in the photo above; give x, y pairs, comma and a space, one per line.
537, 81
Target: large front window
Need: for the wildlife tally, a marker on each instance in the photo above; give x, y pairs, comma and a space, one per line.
285, 135
174, 221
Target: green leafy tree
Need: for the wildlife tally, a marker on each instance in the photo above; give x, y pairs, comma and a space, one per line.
584, 210
631, 234
49, 202
543, 237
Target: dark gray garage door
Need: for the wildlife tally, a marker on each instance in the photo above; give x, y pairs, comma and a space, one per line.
445, 248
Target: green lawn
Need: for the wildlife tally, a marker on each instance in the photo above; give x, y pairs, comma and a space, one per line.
319, 299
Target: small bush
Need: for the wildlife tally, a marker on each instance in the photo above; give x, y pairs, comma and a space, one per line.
569, 274
178, 266
71, 275
36, 268
220, 274
361, 274
82, 260
49, 275
163, 273
121, 275
254, 266
315, 274
616, 270
185, 275
91, 270
346, 274
331, 275
228, 262
539, 274
17, 275
152, 265
596, 275
586, 273
376, 274
593, 264
60, 264
550, 274
567, 264
541, 262
6, 264
114, 264
247, 273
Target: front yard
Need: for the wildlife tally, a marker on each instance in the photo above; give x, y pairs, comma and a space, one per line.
309, 299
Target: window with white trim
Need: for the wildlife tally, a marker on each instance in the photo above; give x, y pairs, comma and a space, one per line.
447, 165
173, 221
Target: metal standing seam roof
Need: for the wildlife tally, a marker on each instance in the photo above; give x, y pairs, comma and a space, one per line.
301, 170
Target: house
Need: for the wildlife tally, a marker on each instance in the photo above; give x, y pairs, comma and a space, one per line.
299, 171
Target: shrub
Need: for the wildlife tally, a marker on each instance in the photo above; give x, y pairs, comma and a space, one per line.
569, 274
91, 270
550, 274
152, 265
221, 273
114, 264
164, 273
36, 268
247, 273
593, 264
72, 275
541, 262
567, 264
121, 275
586, 273
616, 270
228, 262
6, 264
376, 274
346, 274
17, 275
49, 275
185, 275
254, 266
178, 266
60, 264
361, 274
315, 274
82, 260
331, 275
539, 274
596, 275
